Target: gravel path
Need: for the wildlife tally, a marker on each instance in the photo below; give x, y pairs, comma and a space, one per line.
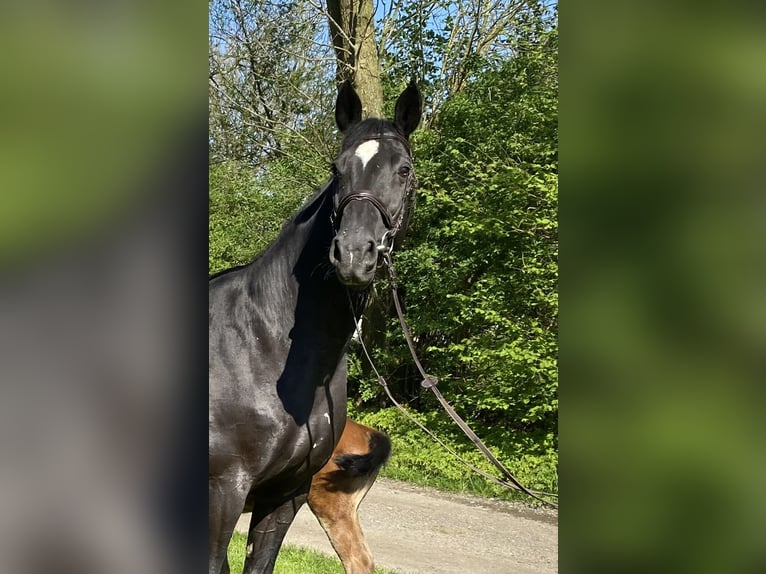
416, 530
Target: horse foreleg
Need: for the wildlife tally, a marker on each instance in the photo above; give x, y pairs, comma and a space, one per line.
337, 512
225, 502
266, 533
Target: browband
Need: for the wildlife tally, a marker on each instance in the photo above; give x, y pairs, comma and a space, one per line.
393, 135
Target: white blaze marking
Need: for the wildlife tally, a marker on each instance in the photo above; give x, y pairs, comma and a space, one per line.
328, 417
367, 151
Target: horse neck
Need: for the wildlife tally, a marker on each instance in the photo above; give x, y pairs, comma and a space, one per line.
301, 281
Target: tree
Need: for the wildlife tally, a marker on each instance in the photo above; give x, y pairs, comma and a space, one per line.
445, 43
270, 88
353, 37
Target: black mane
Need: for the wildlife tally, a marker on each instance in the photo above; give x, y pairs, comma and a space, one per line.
305, 212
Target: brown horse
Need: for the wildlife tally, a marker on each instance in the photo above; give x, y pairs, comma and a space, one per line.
338, 489
341, 485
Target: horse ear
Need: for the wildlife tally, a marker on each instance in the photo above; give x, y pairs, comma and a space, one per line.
408, 109
348, 107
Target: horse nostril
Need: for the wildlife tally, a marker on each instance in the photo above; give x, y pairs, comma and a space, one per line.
335, 254
371, 255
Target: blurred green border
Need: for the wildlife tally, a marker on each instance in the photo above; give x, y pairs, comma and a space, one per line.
663, 276
95, 98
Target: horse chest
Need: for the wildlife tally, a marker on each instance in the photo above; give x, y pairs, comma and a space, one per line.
296, 452
315, 425
297, 414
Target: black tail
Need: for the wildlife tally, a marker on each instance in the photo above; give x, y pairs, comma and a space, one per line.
366, 464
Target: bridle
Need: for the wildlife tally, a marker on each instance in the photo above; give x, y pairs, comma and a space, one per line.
392, 222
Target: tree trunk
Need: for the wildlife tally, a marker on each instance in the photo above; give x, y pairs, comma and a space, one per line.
353, 37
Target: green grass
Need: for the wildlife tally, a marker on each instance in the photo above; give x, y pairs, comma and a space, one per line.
292, 559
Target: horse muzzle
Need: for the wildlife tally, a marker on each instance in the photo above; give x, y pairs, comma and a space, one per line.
355, 260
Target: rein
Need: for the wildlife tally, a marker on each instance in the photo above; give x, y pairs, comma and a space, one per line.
430, 382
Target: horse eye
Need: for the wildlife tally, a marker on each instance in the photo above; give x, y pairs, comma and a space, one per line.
405, 170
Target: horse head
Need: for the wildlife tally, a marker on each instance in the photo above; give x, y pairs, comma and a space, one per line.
374, 176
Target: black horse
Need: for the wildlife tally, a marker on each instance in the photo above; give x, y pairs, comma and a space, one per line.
279, 330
